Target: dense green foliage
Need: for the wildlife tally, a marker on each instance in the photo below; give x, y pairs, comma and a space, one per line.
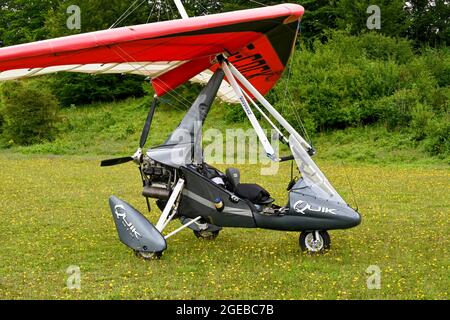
423, 22
29, 113
81, 89
23, 21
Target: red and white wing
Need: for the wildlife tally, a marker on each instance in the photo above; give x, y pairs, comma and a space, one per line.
257, 41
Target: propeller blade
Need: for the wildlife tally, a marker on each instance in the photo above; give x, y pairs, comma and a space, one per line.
148, 123
115, 162
144, 137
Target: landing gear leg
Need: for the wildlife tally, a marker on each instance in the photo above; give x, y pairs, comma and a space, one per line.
315, 242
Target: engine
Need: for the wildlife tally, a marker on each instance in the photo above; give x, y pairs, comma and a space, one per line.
159, 180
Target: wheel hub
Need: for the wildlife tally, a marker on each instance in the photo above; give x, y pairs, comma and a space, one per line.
314, 243
149, 255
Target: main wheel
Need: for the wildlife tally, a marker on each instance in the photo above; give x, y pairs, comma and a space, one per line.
149, 255
207, 235
315, 242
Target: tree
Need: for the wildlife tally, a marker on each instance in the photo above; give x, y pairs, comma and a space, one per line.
102, 14
430, 21
352, 15
23, 21
320, 16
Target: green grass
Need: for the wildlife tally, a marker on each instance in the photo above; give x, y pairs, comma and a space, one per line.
55, 214
374, 145
114, 129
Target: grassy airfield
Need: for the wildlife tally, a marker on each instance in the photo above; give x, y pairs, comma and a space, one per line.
55, 214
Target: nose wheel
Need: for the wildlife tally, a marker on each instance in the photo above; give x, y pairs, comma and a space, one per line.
149, 255
315, 242
207, 235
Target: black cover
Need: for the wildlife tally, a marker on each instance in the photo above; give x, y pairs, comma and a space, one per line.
254, 193
197, 114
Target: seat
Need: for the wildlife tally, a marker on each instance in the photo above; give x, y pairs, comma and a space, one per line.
252, 192
213, 174
233, 177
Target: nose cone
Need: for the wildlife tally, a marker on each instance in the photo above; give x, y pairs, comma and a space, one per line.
353, 218
134, 229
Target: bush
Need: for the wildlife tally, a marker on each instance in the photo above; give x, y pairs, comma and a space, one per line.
234, 113
371, 45
438, 63
395, 111
439, 99
29, 111
421, 117
437, 142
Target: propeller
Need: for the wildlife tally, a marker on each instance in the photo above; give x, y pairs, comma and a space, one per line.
115, 162
143, 141
148, 123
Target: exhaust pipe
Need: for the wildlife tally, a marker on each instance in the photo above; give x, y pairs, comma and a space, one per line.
156, 193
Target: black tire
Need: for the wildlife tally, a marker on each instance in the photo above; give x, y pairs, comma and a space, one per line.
149, 256
309, 243
207, 235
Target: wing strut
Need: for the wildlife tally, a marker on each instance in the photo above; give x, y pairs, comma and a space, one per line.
248, 111
181, 9
235, 72
266, 117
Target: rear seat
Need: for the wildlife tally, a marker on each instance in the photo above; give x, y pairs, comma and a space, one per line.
252, 192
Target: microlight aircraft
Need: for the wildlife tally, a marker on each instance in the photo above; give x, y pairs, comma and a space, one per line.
238, 56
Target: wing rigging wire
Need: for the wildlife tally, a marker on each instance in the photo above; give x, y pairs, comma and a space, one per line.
351, 186
185, 103
123, 14
126, 14
151, 12
205, 10
288, 94
171, 11
159, 10
261, 4
167, 11
135, 5
159, 5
